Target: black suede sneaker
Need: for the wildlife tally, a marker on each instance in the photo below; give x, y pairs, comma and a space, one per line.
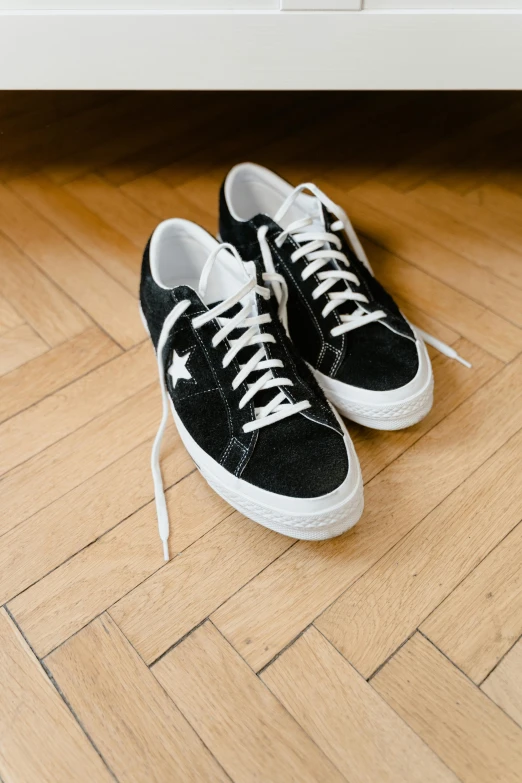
247, 408
371, 363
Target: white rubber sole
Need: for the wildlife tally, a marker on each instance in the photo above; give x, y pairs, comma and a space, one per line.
391, 416
394, 410
311, 519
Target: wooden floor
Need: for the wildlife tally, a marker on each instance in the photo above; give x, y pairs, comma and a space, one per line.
390, 655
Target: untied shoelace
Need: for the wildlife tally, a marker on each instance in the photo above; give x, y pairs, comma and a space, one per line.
247, 319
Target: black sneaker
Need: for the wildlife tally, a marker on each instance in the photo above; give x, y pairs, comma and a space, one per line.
247, 408
371, 363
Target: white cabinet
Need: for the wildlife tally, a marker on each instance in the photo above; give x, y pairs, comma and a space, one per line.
261, 44
139, 5
448, 5
257, 5
321, 5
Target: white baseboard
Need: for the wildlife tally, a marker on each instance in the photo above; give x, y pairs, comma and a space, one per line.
261, 50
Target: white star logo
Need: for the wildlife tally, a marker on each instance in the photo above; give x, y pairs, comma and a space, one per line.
178, 368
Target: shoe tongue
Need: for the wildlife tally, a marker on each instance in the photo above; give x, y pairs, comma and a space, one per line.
303, 206
224, 274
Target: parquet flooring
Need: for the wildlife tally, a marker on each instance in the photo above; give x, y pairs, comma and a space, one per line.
390, 655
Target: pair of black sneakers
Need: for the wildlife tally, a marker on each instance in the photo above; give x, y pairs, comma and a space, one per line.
263, 340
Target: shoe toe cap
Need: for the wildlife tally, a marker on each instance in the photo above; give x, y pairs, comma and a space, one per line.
379, 359
297, 457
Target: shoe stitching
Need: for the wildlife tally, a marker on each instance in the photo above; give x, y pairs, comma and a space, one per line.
241, 446
223, 394
189, 396
226, 452
221, 389
245, 451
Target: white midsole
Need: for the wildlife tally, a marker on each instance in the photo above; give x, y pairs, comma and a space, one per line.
310, 518
392, 410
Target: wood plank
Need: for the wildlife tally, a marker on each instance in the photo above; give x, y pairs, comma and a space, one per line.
110, 203
352, 725
69, 597
493, 232
200, 192
493, 333
151, 161
127, 168
97, 239
153, 194
382, 214
493, 160
65, 411
453, 384
21, 102
139, 730
469, 733
277, 117
371, 152
418, 317
470, 231
41, 741
53, 370
273, 608
447, 151
45, 540
9, 318
107, 303
68, 135
378, 613
63, 102
134, 138
504, 684
165, 607
506, 175
45, 307
195, 168
284, 143
497, 199
479, 622
74, 459
313, 145
186, 133
33, 121
18, 346
239, 720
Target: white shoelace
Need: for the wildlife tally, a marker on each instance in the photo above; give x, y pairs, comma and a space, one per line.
315, 246
279, 407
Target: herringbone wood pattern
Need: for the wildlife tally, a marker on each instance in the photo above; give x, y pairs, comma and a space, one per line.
392, 654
